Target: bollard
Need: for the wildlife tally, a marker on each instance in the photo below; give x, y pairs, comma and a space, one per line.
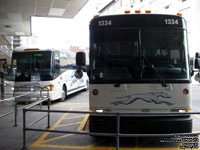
118, 130
49, 103
24, 126
16, 111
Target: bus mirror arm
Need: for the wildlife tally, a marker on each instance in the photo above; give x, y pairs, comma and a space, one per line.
195, 66
192, 73
197, 61
4, 65
57, 66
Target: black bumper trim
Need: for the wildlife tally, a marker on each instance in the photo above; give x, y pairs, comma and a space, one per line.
141, 125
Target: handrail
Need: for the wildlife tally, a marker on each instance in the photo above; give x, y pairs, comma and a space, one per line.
16, 109
118, 135
114, 113
13, 98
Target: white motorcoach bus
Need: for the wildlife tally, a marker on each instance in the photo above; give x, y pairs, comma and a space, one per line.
36, 68
139, 63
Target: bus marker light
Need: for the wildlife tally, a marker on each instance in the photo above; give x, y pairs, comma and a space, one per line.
97, 15
148, 11
91, 110
185, 91
32, 49
127, 11
179, 14
95, 92
137, 11
16, 89
51, 87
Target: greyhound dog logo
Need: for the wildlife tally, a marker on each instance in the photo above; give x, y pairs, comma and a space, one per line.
151, 97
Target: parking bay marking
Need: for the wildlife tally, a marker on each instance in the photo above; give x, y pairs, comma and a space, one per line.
198, 116
42, 139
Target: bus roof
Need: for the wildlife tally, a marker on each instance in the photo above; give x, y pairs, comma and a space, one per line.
138, 21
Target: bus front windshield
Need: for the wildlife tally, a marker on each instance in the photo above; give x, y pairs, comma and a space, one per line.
29, 66
130, 55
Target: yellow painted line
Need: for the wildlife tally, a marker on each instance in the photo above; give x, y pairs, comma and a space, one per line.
38, 142
61, 104
198, 116
82, 147
3, 110
68, 104
195, 131
81, 116
56, 138
83, 123
68, 124
93, 147
41, 140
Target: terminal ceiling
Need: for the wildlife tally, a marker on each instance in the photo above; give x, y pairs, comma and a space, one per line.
15, 15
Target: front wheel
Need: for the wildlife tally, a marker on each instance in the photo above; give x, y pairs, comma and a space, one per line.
64, 94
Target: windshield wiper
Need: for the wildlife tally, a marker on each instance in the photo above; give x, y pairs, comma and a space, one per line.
161, 80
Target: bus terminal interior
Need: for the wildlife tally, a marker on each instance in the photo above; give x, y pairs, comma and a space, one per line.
51, 97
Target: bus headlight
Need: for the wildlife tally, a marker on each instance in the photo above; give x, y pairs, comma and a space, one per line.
181, 110
99, 110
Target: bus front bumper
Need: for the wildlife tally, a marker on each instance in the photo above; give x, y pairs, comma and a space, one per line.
141, 125
34, 96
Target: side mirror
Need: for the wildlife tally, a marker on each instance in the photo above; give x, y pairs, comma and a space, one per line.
80, 59
79, 74
3, 65
197, 61
197, 77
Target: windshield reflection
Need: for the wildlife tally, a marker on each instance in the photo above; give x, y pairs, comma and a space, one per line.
29, 66
153, 54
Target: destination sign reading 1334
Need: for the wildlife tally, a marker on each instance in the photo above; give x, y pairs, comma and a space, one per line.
104, 23
171, 21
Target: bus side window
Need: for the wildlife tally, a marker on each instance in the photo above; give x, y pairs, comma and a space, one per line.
63, 60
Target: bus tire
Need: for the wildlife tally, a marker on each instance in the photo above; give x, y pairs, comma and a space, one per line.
64, 94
